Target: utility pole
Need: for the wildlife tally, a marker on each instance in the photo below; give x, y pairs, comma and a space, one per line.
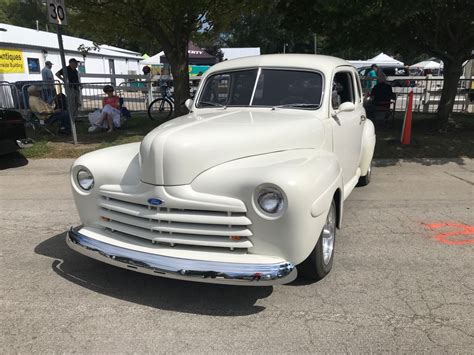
315, 44
67, 89
57, 15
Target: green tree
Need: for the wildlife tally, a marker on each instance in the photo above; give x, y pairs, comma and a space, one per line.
267, 27
23, 13
439, 28
169, 25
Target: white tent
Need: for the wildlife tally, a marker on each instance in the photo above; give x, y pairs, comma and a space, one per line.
385, 60
154, 60
428, 64
382, 60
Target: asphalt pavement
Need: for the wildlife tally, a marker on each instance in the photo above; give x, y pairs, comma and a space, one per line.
402, 279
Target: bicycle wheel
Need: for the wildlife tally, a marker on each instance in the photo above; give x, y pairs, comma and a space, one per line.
160, 109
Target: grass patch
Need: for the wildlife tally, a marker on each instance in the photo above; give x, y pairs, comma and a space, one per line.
47, 146
427, 142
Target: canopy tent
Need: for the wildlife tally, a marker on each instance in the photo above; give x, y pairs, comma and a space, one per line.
382, 60
428, 64
196, 56
385, 60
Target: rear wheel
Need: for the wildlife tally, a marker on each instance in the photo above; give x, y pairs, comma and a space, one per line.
160, 109
318, 264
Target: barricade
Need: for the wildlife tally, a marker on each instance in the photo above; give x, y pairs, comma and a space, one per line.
426, 93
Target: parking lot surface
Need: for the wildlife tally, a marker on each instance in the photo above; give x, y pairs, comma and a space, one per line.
402, 278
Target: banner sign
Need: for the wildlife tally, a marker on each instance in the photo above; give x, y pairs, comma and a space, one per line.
11, 61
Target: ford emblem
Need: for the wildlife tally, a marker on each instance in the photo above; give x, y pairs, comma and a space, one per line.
155, 201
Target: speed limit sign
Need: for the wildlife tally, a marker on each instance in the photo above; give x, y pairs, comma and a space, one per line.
57, 12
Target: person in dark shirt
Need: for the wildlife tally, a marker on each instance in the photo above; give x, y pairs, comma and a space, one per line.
74, 88
382, 91
380, 96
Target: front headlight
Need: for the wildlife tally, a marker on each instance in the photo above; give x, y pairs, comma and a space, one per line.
270, 200
85, 179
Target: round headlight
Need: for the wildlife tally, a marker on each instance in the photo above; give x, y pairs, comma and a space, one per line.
271, 200
85, 179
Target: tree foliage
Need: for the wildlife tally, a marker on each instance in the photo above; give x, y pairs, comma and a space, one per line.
408, 29
159, 24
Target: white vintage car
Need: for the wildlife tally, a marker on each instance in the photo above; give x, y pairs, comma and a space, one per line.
248, 188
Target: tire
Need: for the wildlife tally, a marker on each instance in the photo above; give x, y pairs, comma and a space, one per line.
160, 109
365, 180
319, 263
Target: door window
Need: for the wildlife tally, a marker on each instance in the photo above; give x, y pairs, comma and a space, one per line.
342, 89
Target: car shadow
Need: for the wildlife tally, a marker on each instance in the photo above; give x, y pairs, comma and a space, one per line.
156, 292
12, 160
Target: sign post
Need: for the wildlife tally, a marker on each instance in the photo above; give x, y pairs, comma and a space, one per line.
57, 15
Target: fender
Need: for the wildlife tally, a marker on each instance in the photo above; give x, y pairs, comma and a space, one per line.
115, 165
309, 180
368, 146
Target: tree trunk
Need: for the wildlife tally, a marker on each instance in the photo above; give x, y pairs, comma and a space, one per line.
178, 59
452, 72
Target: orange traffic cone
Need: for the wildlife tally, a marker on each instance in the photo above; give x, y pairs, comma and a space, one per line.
406, 130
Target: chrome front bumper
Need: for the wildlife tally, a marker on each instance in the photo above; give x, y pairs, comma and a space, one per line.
184, 269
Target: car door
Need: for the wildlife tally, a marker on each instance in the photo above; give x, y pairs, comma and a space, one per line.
347, 126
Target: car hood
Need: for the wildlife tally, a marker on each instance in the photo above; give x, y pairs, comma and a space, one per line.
179, 150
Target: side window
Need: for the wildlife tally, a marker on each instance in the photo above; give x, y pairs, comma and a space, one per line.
342, 89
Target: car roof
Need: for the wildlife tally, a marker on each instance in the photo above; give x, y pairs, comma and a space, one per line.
322, 63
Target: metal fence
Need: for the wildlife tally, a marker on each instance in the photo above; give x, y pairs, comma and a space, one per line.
426, 93
137, 95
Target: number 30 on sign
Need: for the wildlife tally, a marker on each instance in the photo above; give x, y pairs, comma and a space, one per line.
57, 12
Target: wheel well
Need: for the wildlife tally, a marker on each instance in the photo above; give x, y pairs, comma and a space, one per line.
338, 201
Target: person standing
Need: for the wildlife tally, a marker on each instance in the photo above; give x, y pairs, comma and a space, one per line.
74, 87
372, 76
48, 79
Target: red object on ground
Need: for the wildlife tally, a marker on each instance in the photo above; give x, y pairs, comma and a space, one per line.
406, 130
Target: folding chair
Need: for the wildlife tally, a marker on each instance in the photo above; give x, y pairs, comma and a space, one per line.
39, 125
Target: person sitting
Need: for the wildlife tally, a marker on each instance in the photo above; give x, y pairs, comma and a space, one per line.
46, 112
110, 110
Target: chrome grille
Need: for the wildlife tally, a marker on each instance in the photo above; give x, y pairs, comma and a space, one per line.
175, 226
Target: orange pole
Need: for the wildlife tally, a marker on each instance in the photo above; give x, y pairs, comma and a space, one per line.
406, 130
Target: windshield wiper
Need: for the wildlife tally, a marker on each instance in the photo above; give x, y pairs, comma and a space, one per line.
215, 104
296, 105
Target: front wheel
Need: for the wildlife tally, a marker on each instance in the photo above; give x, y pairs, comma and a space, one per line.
160, 109
318, 264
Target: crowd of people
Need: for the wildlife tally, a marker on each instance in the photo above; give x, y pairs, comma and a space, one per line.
51, 107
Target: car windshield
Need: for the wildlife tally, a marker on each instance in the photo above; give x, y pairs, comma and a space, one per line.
275, 88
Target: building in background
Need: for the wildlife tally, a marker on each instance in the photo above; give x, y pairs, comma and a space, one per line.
24, 51
234, 53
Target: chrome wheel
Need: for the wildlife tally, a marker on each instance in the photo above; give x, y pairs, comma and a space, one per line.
329, 235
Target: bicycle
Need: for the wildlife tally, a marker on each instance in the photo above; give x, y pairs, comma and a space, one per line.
161, 108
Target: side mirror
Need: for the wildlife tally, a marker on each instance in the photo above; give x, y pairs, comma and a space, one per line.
346, 107
189, 104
